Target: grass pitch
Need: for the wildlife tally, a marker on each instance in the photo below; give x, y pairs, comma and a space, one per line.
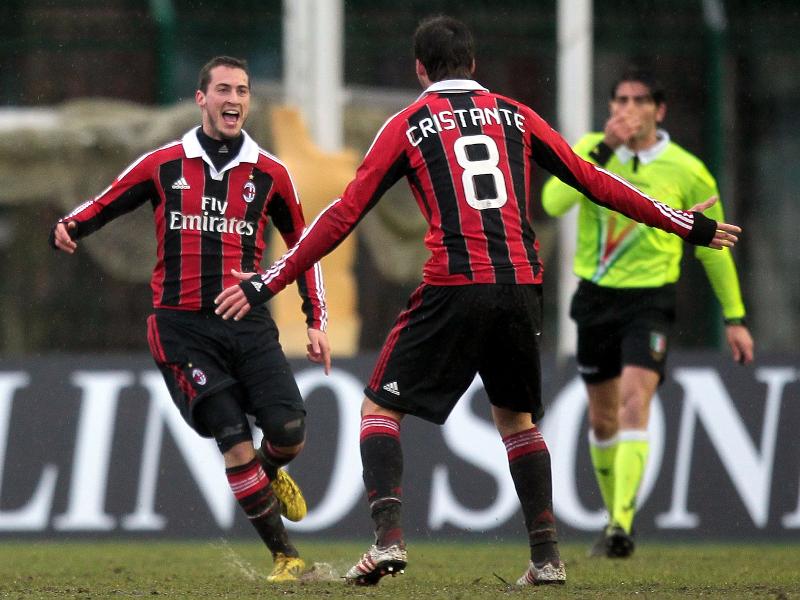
453, 571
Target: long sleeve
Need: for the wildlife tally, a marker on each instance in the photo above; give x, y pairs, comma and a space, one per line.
132, 188
287, 215
384, 164
551, 151
558, 197
718, 264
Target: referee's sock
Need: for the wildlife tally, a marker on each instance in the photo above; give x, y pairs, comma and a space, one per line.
631, 460
382, 459
604, 455
529, 461
251, 487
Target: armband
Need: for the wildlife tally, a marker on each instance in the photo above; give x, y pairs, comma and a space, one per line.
736, 321
601, 154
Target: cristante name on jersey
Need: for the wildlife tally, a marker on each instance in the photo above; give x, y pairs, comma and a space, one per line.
210, 223
446, 120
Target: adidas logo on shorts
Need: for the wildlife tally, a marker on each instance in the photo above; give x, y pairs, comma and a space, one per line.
391, 387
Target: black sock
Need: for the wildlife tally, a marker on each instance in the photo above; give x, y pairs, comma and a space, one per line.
529, 461
272, 459
251, 487
382, 459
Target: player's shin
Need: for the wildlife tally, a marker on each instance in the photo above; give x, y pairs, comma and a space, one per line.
253, 491
382, 460
529, 461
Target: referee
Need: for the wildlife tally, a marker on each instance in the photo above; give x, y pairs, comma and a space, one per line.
624, 306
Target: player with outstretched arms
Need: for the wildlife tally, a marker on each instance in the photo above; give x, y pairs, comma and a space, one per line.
468, 156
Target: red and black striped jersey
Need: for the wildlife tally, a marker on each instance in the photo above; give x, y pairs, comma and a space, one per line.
207, 221
468, 155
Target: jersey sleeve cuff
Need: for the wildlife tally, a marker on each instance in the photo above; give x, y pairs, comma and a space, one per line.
703, 230
256, 291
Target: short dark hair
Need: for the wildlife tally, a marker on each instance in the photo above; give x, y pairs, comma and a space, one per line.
228, 61
444, 47
646, 78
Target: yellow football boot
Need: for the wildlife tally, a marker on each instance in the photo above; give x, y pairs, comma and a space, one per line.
286, 568
288, 493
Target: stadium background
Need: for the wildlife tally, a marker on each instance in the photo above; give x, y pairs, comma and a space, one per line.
57, 315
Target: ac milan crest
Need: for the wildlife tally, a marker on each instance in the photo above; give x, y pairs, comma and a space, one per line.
249, 191
199, 377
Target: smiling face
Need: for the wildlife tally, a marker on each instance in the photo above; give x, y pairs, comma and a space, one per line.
225, 103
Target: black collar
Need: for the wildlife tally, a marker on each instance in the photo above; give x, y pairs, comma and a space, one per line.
220, 151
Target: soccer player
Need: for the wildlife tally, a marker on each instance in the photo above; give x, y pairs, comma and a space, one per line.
467, 154
625, 303
213, 192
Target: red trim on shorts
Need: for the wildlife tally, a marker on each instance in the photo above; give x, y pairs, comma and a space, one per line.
523, 443
157, 350
154, 340
391, 340
183, 382
379, 425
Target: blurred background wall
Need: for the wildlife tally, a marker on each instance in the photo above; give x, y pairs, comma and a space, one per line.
733, 96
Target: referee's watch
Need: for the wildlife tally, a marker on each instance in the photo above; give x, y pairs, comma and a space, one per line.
736, 321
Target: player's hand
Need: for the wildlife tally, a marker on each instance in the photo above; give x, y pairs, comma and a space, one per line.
704, 205
62, 238
740, 342
726, 234
232, 302
619, 129
319, 350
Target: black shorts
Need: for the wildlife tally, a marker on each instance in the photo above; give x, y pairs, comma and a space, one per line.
199, 354
447, 335
619, 327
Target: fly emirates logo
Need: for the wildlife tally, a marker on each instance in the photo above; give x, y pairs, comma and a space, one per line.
212, 219
446, 120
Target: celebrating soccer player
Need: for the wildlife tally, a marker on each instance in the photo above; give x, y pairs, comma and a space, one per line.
213, 193
467, 154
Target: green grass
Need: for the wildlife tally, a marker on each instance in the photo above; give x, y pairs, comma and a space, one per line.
453, 571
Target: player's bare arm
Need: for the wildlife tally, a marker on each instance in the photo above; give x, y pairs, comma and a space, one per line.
62, 238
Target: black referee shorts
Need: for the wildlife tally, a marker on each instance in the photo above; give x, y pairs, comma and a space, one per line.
200, 354
447, 335
622, 326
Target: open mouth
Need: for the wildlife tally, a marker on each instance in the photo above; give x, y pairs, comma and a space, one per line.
230, 117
